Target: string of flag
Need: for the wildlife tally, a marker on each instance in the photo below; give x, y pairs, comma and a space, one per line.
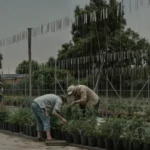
62, 23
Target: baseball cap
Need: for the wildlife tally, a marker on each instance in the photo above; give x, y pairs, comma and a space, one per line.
70, 89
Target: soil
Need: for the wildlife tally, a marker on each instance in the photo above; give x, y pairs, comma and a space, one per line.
9, 142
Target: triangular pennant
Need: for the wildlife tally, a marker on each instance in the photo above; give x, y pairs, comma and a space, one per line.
85, 18
59, 24
91, 17
66, 22
42, 29
103, 13
130, 6
94, 16
7, 41
106, 13
53, 27
118, 9
122, 7
76, 20
1, 43
14, 39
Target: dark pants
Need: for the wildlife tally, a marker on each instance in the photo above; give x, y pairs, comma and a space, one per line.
43, 121
1, 98
94, 111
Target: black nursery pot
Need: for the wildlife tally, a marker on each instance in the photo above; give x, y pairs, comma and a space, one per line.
92, 141
63, 135
26, 130
20, 128
32, 131
69, 138
11, 128
17, 128
137, 146
146, 146
117, 144
55, 134
76, 138
108, 144
44, 135
59, 136
84, 140
5, 125
126, 144
100, 142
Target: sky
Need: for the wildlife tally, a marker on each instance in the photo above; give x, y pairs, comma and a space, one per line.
17, 15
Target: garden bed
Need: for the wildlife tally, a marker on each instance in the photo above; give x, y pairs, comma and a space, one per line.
119, 131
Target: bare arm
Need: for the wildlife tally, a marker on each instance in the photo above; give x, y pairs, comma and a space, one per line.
56, 110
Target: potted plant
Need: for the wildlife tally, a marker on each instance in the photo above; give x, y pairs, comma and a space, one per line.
117, 125
89, 130
74, 127
100, 138
67, 131
132, 134
107, 134
146, 139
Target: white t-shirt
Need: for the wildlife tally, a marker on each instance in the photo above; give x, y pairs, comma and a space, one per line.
49, 101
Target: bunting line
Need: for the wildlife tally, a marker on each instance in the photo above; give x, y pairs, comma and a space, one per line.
62, 23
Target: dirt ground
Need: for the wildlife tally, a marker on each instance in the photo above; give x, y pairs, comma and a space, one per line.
10, 142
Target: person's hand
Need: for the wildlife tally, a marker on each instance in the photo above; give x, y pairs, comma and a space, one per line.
46, 113
63, 121
73, 103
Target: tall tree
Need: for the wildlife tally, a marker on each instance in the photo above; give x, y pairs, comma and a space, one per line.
23, 67
92, 37
51, 62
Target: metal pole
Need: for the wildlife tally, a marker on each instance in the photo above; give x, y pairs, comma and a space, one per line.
141, 89
30, 62
25, 85
132, 83
55, 76
78, 72
67, 79
120, 85
148, 87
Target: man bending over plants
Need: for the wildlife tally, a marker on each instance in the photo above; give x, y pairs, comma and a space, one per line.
85, 97
41, 106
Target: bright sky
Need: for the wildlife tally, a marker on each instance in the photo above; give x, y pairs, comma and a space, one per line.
17, 15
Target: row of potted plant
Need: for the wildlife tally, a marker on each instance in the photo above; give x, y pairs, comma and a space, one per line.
108, 108
14, 101
122, 133
21, 120
113, 134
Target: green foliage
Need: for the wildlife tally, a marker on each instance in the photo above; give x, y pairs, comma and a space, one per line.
133, 130
71, 112
14, 100
23, 116
51, 62
3, 114
23, 67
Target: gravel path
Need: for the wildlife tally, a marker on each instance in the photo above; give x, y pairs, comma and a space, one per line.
10, 142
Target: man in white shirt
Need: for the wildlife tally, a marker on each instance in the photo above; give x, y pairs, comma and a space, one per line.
40, 107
